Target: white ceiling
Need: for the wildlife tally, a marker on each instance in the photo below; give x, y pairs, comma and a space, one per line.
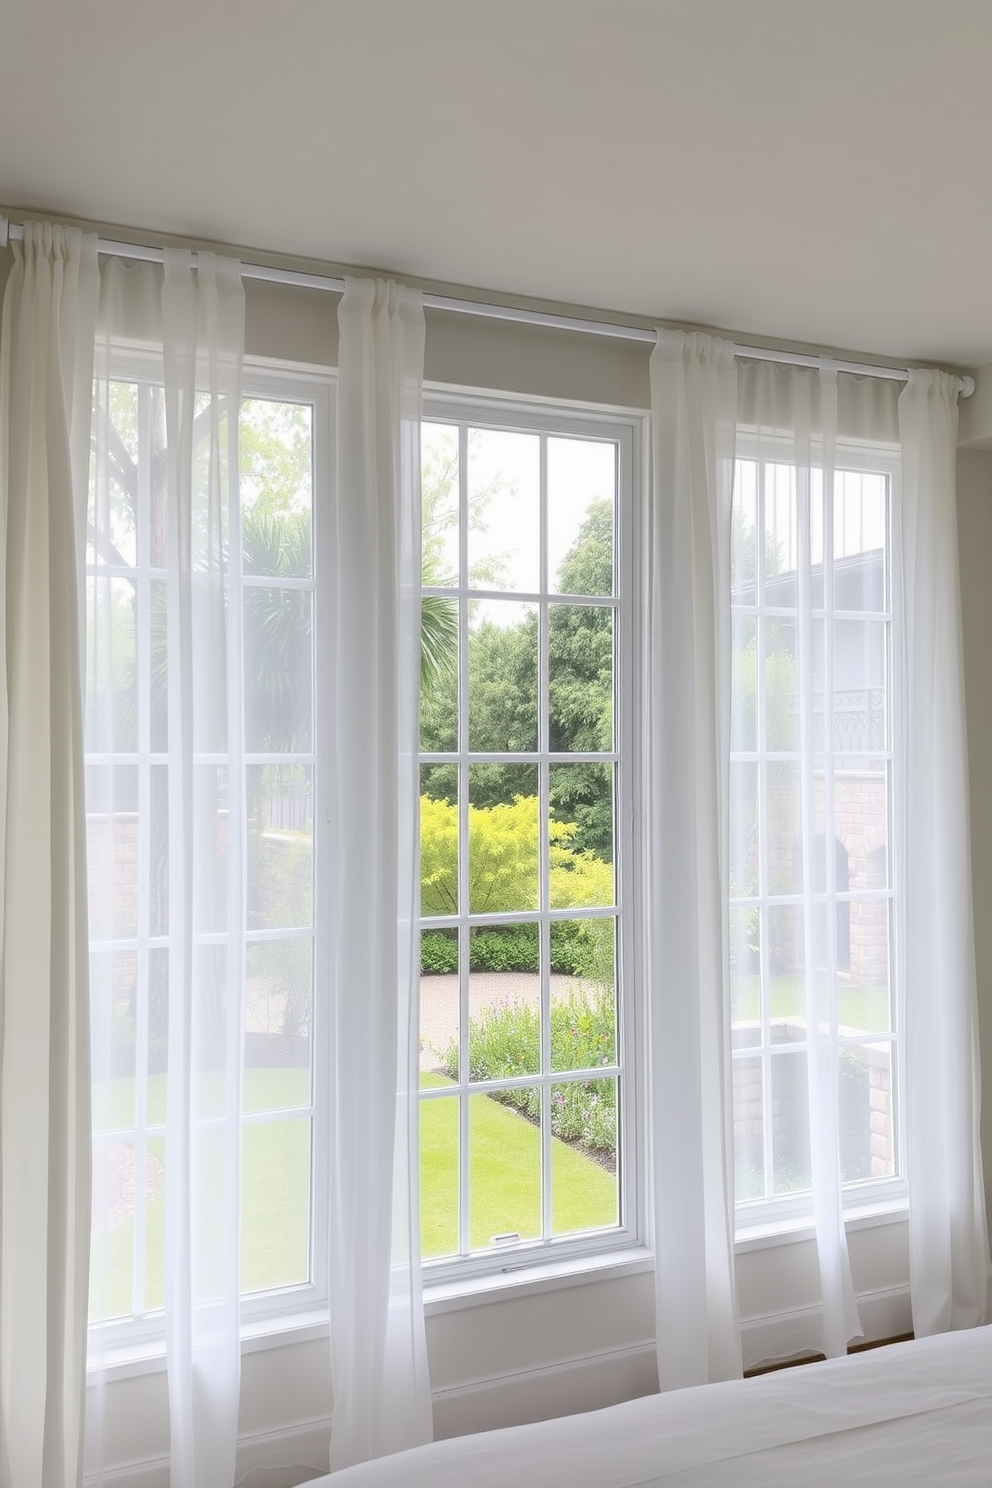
812, 170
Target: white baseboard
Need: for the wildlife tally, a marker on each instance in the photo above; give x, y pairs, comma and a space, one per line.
580, 1383
775, 1336
303, 1445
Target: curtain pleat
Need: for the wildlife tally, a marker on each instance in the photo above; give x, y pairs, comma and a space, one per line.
685, 697
378, 1350
181, 779
785, 702
45, 388
948, 1234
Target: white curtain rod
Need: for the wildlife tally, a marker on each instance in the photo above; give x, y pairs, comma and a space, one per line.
11, 231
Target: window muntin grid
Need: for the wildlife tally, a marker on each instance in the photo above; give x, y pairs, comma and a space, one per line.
284, 430
836, 666
502, 515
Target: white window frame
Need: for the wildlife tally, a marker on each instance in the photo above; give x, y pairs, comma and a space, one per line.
542, 1258
874, 1200
131, 1340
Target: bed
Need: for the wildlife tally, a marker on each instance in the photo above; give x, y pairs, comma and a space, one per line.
916, 1415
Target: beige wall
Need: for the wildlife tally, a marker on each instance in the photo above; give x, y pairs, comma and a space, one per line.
975, 541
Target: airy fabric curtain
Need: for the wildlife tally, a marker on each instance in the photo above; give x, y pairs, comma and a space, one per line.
165, 725
46, 361
811, 990
378, 1348
949, 1251
686, 701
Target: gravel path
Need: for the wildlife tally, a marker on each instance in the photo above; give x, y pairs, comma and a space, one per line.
439, 1003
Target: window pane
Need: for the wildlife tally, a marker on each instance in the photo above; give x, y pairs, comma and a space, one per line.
743, 828
112, 850
502, 849
438, 1172
745, 974
275, 1204
749, 1128
865, 999
504, 1036
583, 993
439, 486
113, 1019
743, 723
280, 846
113, 509
158, 666
580, 678
111, 666
790, 1132
866, 1112
440, 649
784, 931
440, 1022
278, 669
584, 1156
581, 516
580, 832
275, 443
438, 840
112, 1262
502, 679
278, 1023
860, 533
211, 814
781, 536
504, 485
781, 685
504, 1167
743, 544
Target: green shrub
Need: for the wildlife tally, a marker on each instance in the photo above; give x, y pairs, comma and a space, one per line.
438, 953
505, 948
504, 1041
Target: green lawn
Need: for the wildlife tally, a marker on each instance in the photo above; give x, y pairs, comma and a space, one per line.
504, 1177
504, 1184
857, 1007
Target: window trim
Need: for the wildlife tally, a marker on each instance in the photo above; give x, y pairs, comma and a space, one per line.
530, 1263
133, 1344
865, 1202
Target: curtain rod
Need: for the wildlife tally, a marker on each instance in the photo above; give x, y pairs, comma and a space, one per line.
11, 231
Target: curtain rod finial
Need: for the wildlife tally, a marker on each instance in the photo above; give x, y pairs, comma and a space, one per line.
967, 387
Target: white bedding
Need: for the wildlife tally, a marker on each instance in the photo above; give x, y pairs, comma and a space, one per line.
914, 1415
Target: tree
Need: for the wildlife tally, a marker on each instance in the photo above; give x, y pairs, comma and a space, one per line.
503, 864
581, 682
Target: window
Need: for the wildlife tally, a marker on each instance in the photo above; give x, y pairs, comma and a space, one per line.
810, 866
270, 608
526, 1141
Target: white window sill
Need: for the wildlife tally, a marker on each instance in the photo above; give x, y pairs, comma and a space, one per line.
148, 1357
526, 1278
787, 1231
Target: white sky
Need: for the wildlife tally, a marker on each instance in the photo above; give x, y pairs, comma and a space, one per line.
507, 465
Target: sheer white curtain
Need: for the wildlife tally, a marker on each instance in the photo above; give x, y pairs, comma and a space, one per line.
686, 698
811, 990
46, 359
165, 794
949, 1253
378, 1350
